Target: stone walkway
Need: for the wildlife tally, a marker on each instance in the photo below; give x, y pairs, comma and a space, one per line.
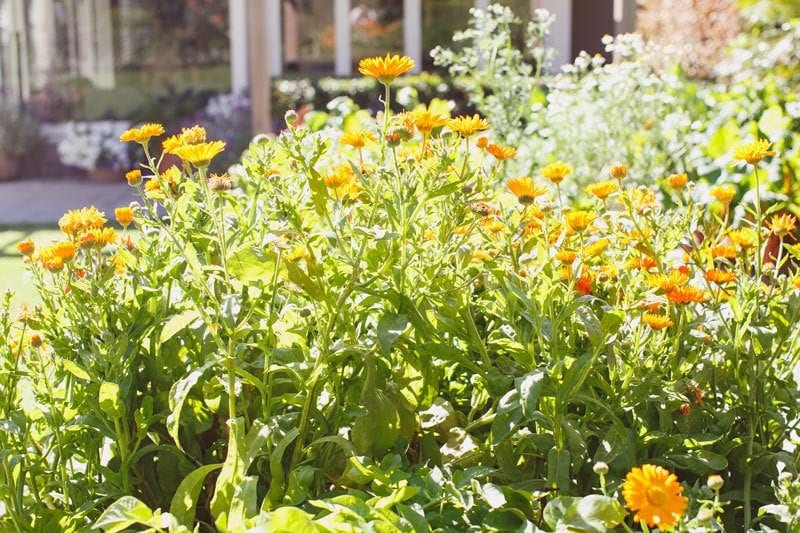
42, 202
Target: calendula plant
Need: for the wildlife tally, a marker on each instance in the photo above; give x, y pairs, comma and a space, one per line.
379, 325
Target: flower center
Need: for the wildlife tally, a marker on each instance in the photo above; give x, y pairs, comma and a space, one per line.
656, 496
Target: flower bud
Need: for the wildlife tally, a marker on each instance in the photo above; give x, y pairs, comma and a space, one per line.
600, 468
715, 482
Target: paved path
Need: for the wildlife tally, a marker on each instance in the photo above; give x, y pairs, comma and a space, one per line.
42, 202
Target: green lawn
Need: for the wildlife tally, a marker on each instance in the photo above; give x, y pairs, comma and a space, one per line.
13, 273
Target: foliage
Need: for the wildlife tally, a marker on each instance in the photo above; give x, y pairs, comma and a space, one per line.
19, 130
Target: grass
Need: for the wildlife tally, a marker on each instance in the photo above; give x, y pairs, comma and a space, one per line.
13, 272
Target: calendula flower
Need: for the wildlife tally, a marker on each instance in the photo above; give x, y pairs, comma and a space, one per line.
501, 152
101, 237
654, 494
426, 122
584, 284
220, 182
782, 224
724, 193
556, 172
200, 154
641, 199
467, 126
723, 251
525, 189
602, 189
385, 69
677, 181
296, 254
124, 215
77, 221
719, 277
482, 142
753, 152
668, 282
743, 238
481, 255
579, 220
796, 282
596, 248
63, 251
143, 133
133, 177
565, 256
492, 225
657, 321
618, 171
118, 262
643, 261
26, 247
357, 138
686, 295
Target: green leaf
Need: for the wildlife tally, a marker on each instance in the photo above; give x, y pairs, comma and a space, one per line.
177, 397
184, 501
390, 327
597, 507
558, 462
250, 264
108, 397
290, 520
122, 514
75, 370
557, 508
529, 387
230, 476
177, 323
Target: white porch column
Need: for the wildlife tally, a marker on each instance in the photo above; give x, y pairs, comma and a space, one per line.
104, 42
19, 68
237, 33
412, 31
43, 39
343, 62
126, 44
87, 51
274, 37
624, 16
560, 38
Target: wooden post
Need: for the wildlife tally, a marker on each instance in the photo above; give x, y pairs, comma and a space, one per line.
258, 66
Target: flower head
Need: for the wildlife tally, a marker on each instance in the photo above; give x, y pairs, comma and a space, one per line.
385, 69
654, 494
467, 126
686, 294
724, 193
602, 189
425, 121
200, 154
657, 321
124, 215
753, 152
133, 177
618, 171
720, 277
77, 221
357, 138
525, 189
143, 133
743, 237
501, 152
579, 220
556, 172
782, 224
677, 181
26, 247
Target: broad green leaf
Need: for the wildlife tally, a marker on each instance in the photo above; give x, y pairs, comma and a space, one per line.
184, 501
557, 508
75, 369
177, 397
177, 323
290, 520
230, 476
108, 397
390, 327
250, 264
122, 514
597, 507
529, 387
558, 463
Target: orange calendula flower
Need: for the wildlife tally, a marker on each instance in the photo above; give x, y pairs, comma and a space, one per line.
782, 224
584, 284
78, 221
200, 154
556, 172
501, 152
467, 126
525, 189
677, 181
743, 238
579, 220
657, 321
124, 215
65, 251
482, 142
602, 189
753, 152
565, 256
724, 193
357, 138
720, 277
385, 69
134, 177
686, 295
26, 247
618, 171
143, 133
644, 261
796, 282
426, 122
723, 251
103, 236
654, 494
668, 282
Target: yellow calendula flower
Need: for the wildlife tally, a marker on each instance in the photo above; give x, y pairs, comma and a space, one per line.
77, 221
668, 282
686, 295
720, 277
565, 256
556, 172
143, 133
133, 177
677, 181
657, 321
124, 215
525, 189
596, 248
385, 69
357, 138
641, 199
102, 236
26, 247
753, 152
425, 121
743, 237
724, 193
579, 220
654, 494
62, 252
618, 171
501, 152
602, 189
782, 224
200, 154
467, 126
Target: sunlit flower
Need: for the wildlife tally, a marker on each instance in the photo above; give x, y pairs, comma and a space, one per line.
77, 221
492, 225
753, 152
657, 321
744, 237
724, 193
102, 236
26, 247
618, 171
297, 253
118, 262
357, 138
782, 224
556, 172
686, 294
57, 254
525, 189
425, 121
723, 251
720, 277
654, 494
134, 177
796, 282
482, 255
501, 152
200, 154
385, 69
596, 248
482, 142
641, 199
220, 182
602, 189
467, 126
677, 181
143, 133
643, 261
565, 256
579, 220
584, 284
124, 215
668, 282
